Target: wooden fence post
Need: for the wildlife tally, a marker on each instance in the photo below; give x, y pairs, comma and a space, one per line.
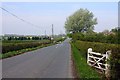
107, 71
88, 53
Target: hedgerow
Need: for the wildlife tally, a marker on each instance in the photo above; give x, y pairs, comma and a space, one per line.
18, 46
96, 37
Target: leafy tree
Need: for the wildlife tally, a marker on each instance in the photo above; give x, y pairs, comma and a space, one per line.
81, 21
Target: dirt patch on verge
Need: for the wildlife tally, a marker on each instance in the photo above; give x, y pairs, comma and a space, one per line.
74, 70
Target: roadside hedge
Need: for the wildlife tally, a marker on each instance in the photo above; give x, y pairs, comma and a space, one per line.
102, 48
18, 46
15, 45
96, 37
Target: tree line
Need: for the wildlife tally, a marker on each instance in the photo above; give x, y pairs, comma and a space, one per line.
26, 38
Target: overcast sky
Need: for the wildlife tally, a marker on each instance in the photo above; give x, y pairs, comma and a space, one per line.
44, 14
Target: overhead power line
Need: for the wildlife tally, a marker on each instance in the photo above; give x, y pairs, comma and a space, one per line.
19, 18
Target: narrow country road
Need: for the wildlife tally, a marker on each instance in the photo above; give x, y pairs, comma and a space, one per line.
49, 62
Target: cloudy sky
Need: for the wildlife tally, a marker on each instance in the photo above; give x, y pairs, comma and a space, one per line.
44, 14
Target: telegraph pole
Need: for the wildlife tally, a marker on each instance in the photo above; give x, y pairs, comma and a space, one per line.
52, 31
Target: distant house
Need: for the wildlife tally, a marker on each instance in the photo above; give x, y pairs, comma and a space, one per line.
107, 32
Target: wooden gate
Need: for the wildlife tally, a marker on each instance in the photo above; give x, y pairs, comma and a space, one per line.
98, 60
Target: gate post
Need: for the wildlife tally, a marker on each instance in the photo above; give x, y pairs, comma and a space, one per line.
107, 71
88, 53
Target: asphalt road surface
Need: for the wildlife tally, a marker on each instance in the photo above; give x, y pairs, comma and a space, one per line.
49, 62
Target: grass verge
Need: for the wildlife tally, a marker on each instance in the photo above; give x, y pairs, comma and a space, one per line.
84, 71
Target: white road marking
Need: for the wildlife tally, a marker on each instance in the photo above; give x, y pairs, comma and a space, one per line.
57, 45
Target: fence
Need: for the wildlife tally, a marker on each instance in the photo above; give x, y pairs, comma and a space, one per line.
99, 61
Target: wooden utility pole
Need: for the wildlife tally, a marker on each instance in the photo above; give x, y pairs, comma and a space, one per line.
52, 31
